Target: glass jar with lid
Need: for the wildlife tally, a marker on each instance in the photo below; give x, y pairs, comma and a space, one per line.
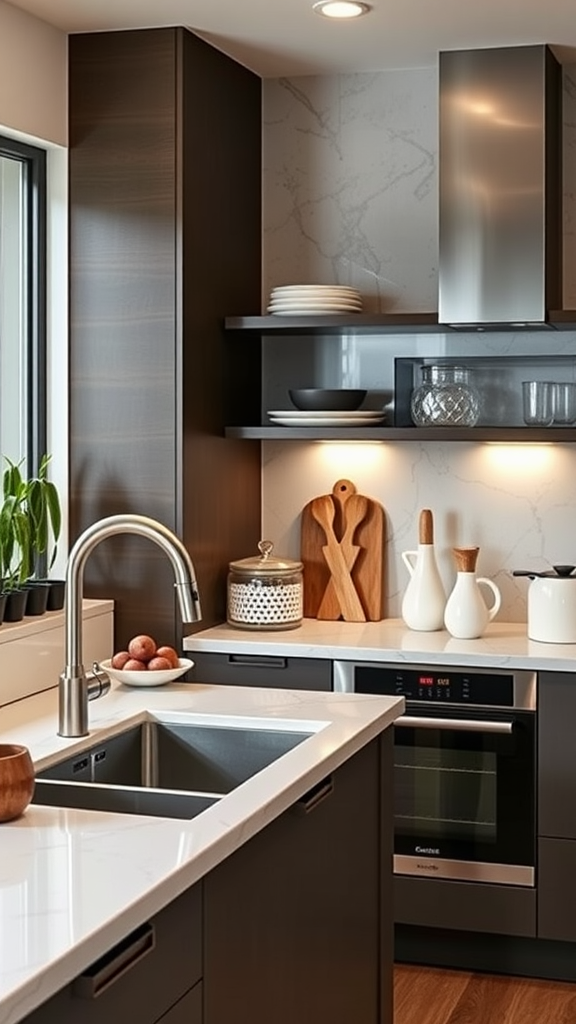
265, 592
445, 398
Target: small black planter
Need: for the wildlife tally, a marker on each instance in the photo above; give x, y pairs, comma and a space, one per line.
15, 607
56, 593
37, 597
2, 606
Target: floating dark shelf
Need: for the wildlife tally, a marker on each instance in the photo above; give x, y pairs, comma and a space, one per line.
382, 323
503, 435
364, 323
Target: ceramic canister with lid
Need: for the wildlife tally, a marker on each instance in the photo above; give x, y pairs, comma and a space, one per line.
265, 592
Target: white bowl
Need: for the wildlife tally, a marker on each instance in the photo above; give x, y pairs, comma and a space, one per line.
148, 678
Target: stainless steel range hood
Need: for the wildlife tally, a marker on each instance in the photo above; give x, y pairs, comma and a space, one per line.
500, 187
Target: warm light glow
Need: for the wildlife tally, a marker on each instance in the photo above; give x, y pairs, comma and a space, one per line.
345, 458
519, 458
341, 8
480, 108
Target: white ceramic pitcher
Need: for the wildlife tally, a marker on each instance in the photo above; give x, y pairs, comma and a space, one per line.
467, 614
424, 600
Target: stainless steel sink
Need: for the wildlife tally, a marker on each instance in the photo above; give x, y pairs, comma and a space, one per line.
164, 766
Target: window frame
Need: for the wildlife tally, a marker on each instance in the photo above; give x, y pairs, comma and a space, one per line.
34, 161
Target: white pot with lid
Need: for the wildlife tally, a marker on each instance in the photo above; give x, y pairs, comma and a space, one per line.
552, 604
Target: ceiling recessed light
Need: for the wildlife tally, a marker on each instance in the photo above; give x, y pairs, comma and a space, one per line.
341, 8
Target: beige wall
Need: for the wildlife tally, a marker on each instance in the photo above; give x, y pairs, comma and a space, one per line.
33, 77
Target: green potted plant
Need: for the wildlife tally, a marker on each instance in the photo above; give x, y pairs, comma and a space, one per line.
14, 548
30, 524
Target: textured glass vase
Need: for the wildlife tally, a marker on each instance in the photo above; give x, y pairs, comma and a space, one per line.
445, 398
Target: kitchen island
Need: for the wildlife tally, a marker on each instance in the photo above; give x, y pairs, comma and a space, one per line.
75, 883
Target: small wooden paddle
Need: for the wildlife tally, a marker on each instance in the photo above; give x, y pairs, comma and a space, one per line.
354, 511
351, 608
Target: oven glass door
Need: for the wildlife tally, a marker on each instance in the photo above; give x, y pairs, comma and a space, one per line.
465, 785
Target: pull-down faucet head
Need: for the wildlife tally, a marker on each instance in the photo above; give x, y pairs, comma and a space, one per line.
73, 685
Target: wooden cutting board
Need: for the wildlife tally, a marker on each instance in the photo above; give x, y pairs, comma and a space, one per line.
367, 571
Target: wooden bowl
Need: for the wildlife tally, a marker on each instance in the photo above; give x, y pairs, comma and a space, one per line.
17, 780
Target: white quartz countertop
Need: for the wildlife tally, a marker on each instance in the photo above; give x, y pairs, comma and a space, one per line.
504, 644
73, 883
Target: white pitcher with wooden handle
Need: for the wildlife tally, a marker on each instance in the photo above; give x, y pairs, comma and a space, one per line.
467, 613
425, 597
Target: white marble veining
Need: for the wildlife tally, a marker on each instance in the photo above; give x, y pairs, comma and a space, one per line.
345, 156
73, 883
503, 645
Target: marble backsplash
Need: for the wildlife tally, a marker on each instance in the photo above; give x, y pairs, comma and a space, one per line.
350, 195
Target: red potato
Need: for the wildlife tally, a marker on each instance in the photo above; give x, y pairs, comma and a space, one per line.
134, 665
170, 654
159, 665
119, 659
142, 647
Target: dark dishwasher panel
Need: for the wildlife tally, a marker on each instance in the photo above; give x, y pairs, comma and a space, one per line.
262, 670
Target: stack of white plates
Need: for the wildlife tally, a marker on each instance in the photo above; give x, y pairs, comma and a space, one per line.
314, 300
297, 418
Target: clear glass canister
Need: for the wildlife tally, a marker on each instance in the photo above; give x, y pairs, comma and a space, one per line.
265, 592
445, 398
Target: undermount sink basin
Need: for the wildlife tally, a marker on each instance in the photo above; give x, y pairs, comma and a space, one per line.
164, 766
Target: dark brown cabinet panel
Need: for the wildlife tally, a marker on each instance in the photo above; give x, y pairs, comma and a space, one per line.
298, 921
556, 899
556, 806
556, 755
142, 977
165, 238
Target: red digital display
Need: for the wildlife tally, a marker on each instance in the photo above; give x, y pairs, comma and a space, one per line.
426, 681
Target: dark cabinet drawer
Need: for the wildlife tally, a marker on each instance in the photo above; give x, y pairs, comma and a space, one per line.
556, 901
464, 906
142, 977
262, 670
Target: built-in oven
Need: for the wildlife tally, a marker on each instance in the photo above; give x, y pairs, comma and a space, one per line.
464, 769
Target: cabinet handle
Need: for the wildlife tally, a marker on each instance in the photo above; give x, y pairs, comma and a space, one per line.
115, 964
315, 796
256, 661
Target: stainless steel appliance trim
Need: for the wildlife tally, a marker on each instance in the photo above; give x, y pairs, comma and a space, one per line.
454, 724
525, 688
464, 871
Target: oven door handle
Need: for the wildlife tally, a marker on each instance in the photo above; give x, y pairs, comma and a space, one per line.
457, 724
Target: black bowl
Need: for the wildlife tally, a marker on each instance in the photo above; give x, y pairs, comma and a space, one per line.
326, 400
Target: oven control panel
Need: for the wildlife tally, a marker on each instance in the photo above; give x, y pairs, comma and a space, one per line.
437, 685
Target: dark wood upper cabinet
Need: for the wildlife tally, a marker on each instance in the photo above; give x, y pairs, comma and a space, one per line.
165, 239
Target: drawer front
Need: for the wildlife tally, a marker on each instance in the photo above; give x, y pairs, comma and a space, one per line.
139, 979
439, 903
262, 670
556, 873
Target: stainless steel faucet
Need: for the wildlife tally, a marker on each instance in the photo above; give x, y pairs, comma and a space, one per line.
73, 685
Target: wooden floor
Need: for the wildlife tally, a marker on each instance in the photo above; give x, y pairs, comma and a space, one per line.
424, 995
